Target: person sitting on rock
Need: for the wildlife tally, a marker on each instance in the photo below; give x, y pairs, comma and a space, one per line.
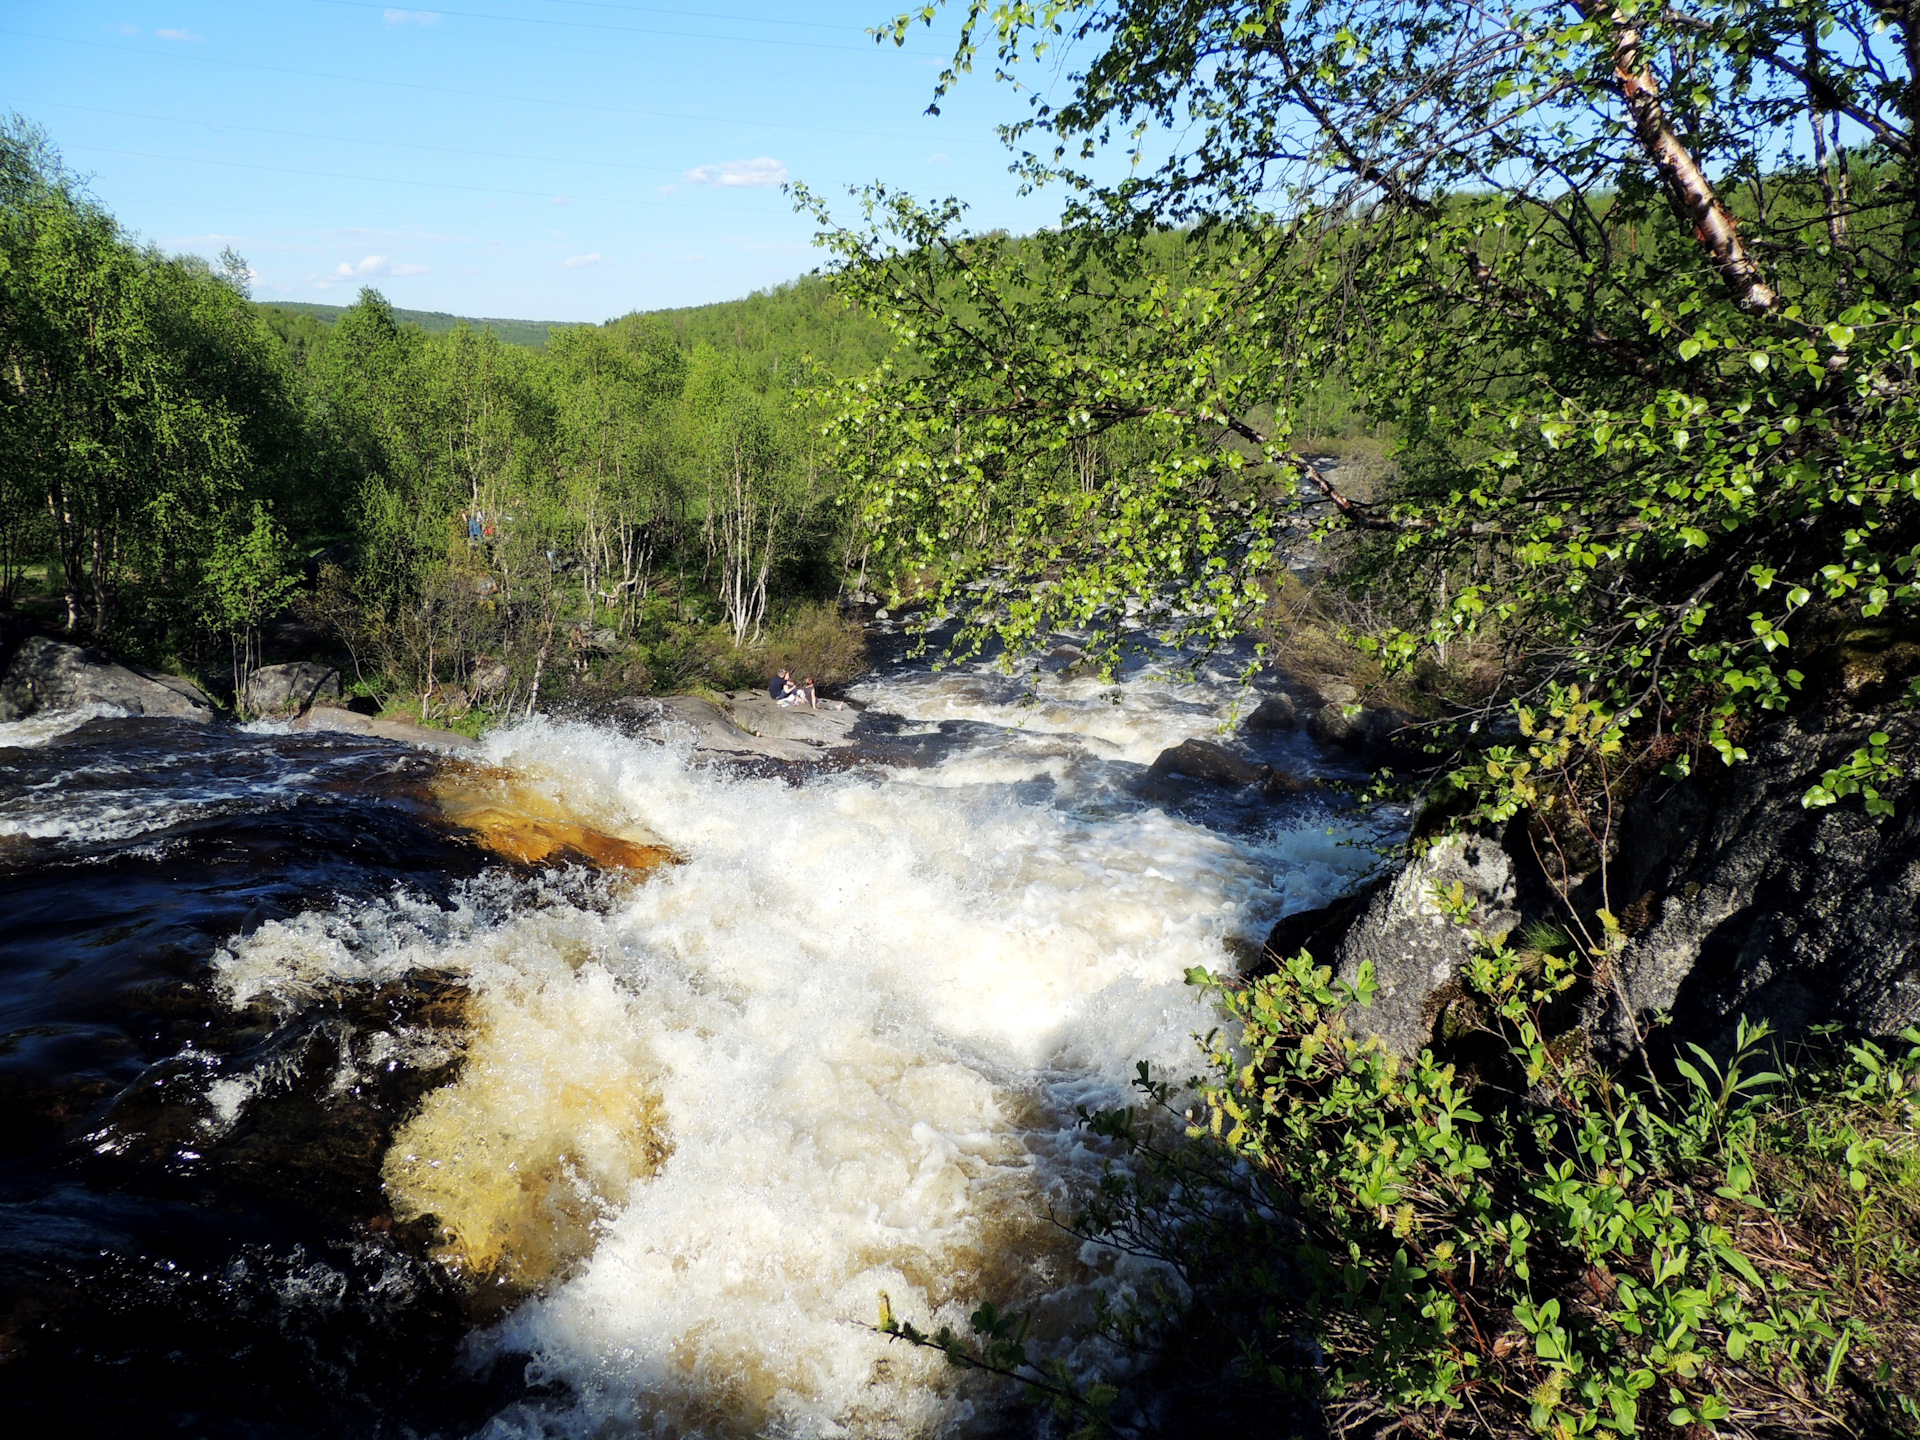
782, 689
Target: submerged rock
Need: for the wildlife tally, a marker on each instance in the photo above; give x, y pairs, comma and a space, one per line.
47, 674
510, 818
294, 686
1204, 760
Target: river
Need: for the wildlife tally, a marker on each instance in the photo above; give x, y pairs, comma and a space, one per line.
317, 1119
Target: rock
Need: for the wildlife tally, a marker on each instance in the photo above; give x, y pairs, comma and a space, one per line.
1337, 692
48, 674
1416, 948
1320, 930
1275, 712
748, 726
600, 641
294, 686
488, 681
1740, 901
1351, 727
331, 717
1066, 661
759, 714
1203, 760
1280, 783
1341, 725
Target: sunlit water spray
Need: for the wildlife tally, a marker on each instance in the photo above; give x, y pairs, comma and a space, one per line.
707, 1119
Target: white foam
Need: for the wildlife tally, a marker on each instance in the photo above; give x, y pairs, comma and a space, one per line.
52, 724
1133, 721
835, 1052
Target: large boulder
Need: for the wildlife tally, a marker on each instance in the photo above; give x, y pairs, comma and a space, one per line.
759, 714
295, 686
1275, 712
48, 674
1415, 945
1742, 901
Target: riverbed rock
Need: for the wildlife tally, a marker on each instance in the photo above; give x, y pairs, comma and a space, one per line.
1204, 760
1415, 946
333, 717
746, 725
1275, 712
760, 715
49, 674
1370, 730
273, 689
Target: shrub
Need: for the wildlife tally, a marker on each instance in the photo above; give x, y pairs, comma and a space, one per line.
816, 639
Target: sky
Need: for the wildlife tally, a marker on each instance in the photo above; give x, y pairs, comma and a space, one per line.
525, 159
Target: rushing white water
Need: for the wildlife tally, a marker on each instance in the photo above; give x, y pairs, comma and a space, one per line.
50, 725
834, 1053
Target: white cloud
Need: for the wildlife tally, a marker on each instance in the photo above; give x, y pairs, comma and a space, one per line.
412, 17
180, 35
563, 200
580, 262
129, 29
939, 157
664, 189
762, 173
375, 265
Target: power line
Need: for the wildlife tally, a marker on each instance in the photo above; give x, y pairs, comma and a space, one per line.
392, 180
383, 6
221, 126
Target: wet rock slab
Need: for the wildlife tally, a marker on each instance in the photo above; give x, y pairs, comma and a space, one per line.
744, 725
328, 717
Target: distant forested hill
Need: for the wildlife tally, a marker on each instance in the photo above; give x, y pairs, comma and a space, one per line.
769, 327
765, 330
297, 322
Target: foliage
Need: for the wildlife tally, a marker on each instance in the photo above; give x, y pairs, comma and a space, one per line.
1631, 288
247, 578
138, 401
486, 525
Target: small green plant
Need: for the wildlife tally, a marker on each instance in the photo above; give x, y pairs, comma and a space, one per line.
1862, 773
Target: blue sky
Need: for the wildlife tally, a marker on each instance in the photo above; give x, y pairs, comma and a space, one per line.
536, 159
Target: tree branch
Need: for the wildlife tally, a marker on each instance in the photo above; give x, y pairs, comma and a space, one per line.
1688, 189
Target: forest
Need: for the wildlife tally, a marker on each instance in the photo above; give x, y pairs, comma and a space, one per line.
474, 527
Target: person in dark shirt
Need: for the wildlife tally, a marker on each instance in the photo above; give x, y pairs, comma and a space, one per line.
785, 691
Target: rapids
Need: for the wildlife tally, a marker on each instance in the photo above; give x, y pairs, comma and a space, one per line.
386, 1135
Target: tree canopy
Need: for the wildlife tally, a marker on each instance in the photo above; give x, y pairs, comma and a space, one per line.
1630, 289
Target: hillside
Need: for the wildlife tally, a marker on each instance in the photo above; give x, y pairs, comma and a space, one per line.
531, 333
766, 328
